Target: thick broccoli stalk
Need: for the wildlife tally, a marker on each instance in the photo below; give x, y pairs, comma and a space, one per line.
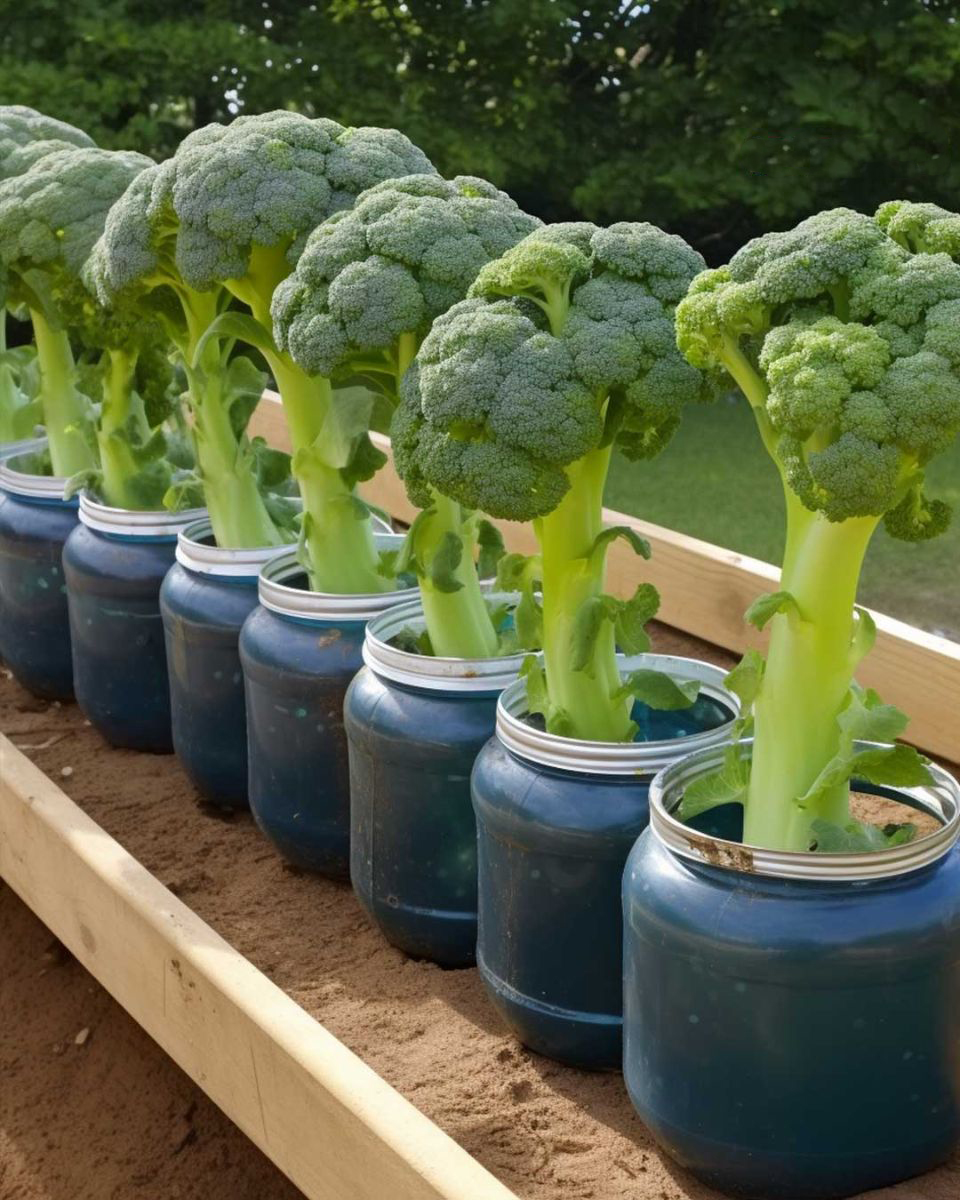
134, 270
518, 395
227, 218
127, 365
848, 350
366, 289
50, 216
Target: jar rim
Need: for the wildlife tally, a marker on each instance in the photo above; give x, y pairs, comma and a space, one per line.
434, 673
197, 554
276, 594
941, 799
583, 757
26, 483
135, 522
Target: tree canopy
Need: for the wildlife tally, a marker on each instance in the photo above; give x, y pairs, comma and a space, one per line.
712, 118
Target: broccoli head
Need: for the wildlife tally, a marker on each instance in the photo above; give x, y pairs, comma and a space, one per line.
267, 181
407, 250
847, 345
565, 345
52, 215
921, 228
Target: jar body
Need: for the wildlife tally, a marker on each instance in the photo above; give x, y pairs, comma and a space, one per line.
551, 851
119, 658
296, 673
413, 858
202, 618
34, 621
792, 1038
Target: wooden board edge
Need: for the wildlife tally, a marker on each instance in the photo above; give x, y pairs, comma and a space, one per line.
325, 1118
705, 590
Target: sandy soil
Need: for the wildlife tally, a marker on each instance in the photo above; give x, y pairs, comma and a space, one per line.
90, 1107
549, 1132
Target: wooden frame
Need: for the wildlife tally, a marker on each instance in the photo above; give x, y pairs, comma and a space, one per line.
705, 590
326, 1119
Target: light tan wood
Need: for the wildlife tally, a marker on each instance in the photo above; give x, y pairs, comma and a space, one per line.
327, 1120
705, 590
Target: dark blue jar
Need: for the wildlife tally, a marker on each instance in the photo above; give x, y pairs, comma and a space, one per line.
300, 649
556, 819
792, 1020
415, 724
35, 521
114, 562
204, 600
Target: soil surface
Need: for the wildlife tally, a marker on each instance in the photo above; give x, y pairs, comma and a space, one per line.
112, 1109
90, 1107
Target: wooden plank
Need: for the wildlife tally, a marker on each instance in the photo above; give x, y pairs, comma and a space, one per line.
705, 590
327, 1120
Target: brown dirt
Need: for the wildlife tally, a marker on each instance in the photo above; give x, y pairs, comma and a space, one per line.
549, 1132
111, 1118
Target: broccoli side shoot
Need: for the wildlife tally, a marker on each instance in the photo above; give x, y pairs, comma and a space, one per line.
50, 217
847, 346
366, 290
564, 348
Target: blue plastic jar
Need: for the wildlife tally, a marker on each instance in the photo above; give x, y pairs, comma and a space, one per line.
300, 650
35, 521
556, 819
114, 562
415, 725
791, 1020
204, 600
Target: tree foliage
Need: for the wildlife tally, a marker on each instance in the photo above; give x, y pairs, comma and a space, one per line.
712, 118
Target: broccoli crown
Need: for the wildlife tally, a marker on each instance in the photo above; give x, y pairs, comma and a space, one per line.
265, 180
565, 344
856, 342
405, 253
21, 127
52, 214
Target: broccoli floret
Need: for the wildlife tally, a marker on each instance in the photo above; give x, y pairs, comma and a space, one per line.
844, 335
921, 228
565, 347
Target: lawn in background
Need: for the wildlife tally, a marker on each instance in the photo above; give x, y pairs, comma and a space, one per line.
715, 482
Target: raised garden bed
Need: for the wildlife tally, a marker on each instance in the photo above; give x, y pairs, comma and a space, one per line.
543, 1131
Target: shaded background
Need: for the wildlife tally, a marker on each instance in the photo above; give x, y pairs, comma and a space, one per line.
716, 119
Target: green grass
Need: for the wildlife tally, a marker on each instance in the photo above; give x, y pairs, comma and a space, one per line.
733, 499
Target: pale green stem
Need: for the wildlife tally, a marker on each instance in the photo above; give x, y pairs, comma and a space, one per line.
65, 409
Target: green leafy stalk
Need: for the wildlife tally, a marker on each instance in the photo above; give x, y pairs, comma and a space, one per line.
231, 489
66, 411
579, 653
337, 542
440, 549
810, 667
122, 422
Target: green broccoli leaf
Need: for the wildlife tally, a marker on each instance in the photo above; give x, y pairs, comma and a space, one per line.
490, 543
858, 837
631, 618
728, 785
768, 605
235, 326
658, 690
604, 540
